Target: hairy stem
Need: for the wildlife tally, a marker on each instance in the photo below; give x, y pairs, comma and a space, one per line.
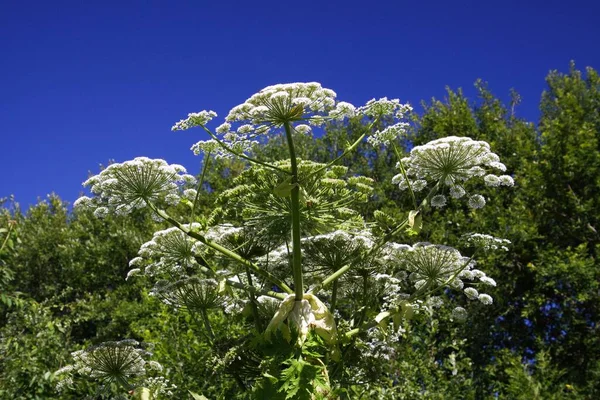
295, 199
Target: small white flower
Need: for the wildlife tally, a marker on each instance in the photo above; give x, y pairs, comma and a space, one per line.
303, 129
476, 201
471, 293
190, 194
438, 201
82, 202
388, 135
133, 272
459, 314
101, 212
457, 191
487, 281
343, 110
506, 180
485, 299
491, 180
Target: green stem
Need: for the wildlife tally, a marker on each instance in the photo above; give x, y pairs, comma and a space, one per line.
223, 250
295, 199
334, 291
198, 326
253, 302
331, 278
206, 161
207, 325
245, 157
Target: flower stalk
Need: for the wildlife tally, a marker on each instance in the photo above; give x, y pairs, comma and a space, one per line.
295, 203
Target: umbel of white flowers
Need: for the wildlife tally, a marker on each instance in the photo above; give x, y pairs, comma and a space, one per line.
303, 105
118, 362
450, 162
425, 266
123, 187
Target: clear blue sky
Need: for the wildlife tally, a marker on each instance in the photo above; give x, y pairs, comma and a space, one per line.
83, 82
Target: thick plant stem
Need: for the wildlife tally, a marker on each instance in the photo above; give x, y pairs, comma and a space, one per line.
295, 199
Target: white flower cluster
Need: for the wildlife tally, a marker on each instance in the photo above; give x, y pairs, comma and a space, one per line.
170, 251
429, 266
486, 242
117, 362
194, 119
277, 104
388, 135
269, 109
124, 187
336, 249
329, 251
386, 110
450, 162
159, 387
222, 233
192, 293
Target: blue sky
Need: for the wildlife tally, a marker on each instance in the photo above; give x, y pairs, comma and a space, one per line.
84, 82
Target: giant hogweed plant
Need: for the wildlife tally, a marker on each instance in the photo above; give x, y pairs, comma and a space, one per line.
287, 248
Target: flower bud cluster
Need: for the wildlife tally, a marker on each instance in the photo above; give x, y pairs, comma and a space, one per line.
124, 187
450, 162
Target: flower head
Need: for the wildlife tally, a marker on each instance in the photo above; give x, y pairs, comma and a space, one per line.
170, 251
194, 119
284, 103
124, 187
450, 162
118, 362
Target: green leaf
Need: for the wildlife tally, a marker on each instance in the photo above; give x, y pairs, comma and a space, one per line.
197, 396
415, 222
